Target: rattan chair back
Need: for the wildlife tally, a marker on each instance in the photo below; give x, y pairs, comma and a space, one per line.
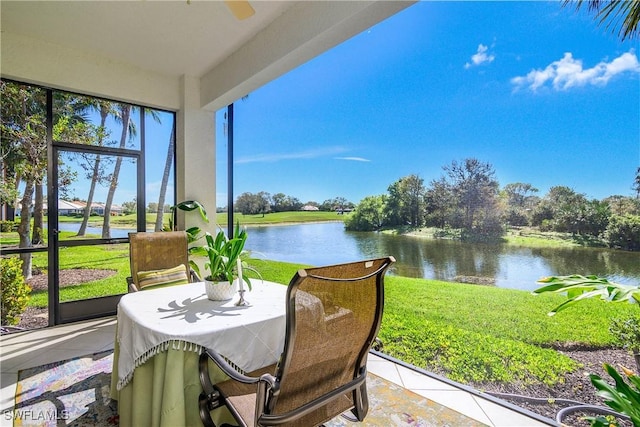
156, 251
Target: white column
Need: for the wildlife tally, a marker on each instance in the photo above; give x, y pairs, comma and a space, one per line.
195, 155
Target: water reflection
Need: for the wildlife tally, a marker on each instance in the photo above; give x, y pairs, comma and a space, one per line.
505, 265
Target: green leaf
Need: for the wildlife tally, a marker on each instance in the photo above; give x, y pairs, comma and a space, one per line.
580, 287
621, 397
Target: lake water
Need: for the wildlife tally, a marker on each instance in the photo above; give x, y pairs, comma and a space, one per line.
502, 265
95, 232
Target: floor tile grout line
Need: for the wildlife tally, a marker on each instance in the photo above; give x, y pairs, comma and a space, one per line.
481, 408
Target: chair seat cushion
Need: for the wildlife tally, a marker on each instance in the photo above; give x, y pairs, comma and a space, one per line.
166, 277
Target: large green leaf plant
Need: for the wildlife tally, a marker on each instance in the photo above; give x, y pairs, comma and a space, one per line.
580, 287
223, 255
622, 397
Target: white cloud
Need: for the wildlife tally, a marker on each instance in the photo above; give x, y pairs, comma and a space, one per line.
355, 159
481, 57
569, 72
308, 154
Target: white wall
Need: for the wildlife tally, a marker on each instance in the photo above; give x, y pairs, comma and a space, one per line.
36, 61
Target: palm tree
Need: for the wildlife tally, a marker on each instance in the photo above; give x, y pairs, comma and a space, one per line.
105, 108
128, 130
24, 145
614, 13
165, 178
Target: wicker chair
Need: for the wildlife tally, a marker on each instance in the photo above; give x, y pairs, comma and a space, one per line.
157, 251
333, 314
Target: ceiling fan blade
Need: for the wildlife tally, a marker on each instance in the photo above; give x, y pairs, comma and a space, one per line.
241, 9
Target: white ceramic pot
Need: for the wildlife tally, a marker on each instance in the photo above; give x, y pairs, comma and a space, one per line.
220, 291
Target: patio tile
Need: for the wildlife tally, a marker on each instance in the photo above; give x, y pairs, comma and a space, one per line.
504, 417
412, 379
8, 391
90, 341
459, 401
385, 369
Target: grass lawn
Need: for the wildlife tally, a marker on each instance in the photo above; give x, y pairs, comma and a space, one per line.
479, 333
282, 218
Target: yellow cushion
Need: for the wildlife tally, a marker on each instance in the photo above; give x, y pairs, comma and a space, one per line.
158, 278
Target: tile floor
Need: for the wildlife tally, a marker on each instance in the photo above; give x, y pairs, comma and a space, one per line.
33, 348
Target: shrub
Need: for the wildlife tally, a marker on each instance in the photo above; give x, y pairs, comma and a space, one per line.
8, 226
624, 232
627, 332
14, 289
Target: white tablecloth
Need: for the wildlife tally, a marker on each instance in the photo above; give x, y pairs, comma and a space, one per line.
182, 317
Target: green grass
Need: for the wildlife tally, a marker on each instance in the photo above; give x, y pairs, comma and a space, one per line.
476, 333
125, 221
481, 334
281, 218
531, 237
103, 257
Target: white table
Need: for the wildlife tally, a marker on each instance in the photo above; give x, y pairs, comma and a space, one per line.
161, 333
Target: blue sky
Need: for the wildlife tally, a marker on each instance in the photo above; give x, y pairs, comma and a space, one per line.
541, 92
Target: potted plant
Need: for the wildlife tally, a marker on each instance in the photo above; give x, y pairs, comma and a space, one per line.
224, 263
193, 233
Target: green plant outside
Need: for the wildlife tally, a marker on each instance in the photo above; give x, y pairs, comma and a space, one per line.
623, 398
14, 291
626, 332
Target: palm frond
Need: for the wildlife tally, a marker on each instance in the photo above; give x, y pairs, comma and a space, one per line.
622, 14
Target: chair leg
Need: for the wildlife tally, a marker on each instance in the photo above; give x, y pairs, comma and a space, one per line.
210, 397
361, 402
205, 411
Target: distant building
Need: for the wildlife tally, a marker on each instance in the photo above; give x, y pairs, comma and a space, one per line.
99, 208
309, 208
66, 207
69, 208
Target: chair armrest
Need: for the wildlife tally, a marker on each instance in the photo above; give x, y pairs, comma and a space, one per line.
132, 287
377, 344
225, 366
194, 276
210, 398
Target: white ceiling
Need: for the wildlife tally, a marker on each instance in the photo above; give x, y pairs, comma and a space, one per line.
168, 37
139, 51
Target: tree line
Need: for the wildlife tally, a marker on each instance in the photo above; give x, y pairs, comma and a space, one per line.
467, 201
263, 203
